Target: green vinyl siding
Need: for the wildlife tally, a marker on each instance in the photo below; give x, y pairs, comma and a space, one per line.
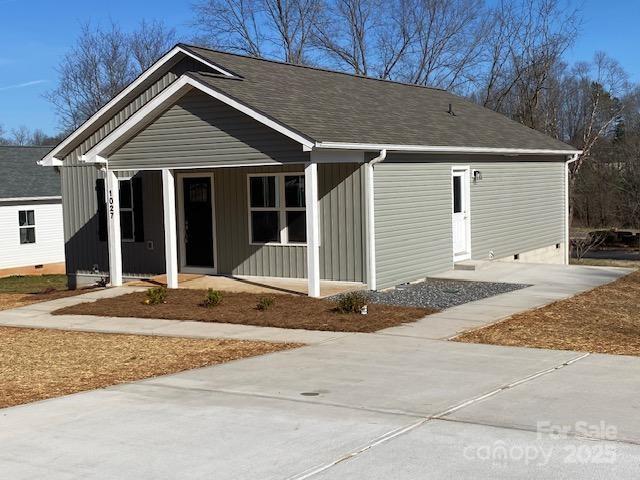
198, 131
516, 207
341, 217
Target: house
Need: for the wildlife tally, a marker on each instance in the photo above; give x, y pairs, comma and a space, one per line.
31, 234
217, 163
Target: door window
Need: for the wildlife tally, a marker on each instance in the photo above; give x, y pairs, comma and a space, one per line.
457, 194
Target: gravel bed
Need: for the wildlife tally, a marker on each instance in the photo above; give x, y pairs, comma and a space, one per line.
441, 294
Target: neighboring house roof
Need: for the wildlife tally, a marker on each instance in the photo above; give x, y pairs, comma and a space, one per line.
332, 107
21, 177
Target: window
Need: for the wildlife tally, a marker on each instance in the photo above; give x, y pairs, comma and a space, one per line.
27, 226
277, 209
127, 226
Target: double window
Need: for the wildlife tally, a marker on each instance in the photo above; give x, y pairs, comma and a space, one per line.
277, 209
27, 226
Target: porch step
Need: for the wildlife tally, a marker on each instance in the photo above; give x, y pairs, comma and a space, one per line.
471, 265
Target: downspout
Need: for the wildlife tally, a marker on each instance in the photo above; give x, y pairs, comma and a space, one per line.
567, 246
371, 228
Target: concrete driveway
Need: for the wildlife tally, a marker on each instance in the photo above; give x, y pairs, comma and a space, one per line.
360, 406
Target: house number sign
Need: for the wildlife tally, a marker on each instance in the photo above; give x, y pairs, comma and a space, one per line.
111, 203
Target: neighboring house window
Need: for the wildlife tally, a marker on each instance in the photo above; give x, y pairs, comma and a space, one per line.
277, 209
27, 225
131, 210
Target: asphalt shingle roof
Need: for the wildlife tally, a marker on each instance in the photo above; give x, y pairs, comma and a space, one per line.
21, 177
330, 106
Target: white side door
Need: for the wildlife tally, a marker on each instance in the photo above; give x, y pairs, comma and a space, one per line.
460, 214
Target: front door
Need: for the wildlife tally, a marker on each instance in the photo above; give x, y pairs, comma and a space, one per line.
460, 214
198, 222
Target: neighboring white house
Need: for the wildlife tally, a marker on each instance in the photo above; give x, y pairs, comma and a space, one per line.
31, 227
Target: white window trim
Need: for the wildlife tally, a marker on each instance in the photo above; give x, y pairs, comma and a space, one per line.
21, 227
128, 209
282, 209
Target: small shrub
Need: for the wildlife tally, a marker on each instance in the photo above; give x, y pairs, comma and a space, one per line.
156, 296
265, 303
214, 297
352, 302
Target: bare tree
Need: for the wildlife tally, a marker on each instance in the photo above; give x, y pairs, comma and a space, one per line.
446, 51
526, 41
21, 136
149, 42
102, 62
3, 139
232, 25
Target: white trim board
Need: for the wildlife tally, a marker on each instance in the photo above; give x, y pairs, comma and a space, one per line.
170, 95
443, 149
51, 160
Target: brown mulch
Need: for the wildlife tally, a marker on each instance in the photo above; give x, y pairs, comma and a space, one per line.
37, 364
288, 311
603, 320
15, 300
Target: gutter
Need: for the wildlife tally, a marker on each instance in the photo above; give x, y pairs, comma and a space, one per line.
444, 149
567, 246
371, 226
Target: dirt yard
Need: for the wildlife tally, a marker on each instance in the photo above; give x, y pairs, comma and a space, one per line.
21, 290
288, 311
38, 364
603, 320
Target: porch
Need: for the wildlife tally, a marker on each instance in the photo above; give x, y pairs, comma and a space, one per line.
289, 228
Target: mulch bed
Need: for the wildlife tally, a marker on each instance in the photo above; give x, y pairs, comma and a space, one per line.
287, 311
38, 364
603, 320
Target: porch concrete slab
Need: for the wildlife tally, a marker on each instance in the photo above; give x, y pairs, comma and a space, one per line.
451, 450
433, 327
253, 284
599, 389
378, 372
153, 432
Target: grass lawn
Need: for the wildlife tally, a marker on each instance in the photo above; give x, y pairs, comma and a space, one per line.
38, 364
287, 311
603, 320
20, 290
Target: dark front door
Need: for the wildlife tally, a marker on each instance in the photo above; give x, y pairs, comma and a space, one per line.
198, 224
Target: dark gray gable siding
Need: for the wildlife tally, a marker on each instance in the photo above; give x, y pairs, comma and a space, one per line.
200, 131
21, 176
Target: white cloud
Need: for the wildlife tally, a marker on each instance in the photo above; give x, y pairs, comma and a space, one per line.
22, 85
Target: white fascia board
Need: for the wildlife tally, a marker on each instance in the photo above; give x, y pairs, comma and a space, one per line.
169, 95
444, 149
51, 160
30, 199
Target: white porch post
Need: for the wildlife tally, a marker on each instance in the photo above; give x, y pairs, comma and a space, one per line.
313, 218
112, 195
170, 236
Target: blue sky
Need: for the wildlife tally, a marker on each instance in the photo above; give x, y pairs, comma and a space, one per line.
34, 34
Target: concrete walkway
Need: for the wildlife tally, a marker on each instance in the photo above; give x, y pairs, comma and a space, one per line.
549, 283
375, 406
